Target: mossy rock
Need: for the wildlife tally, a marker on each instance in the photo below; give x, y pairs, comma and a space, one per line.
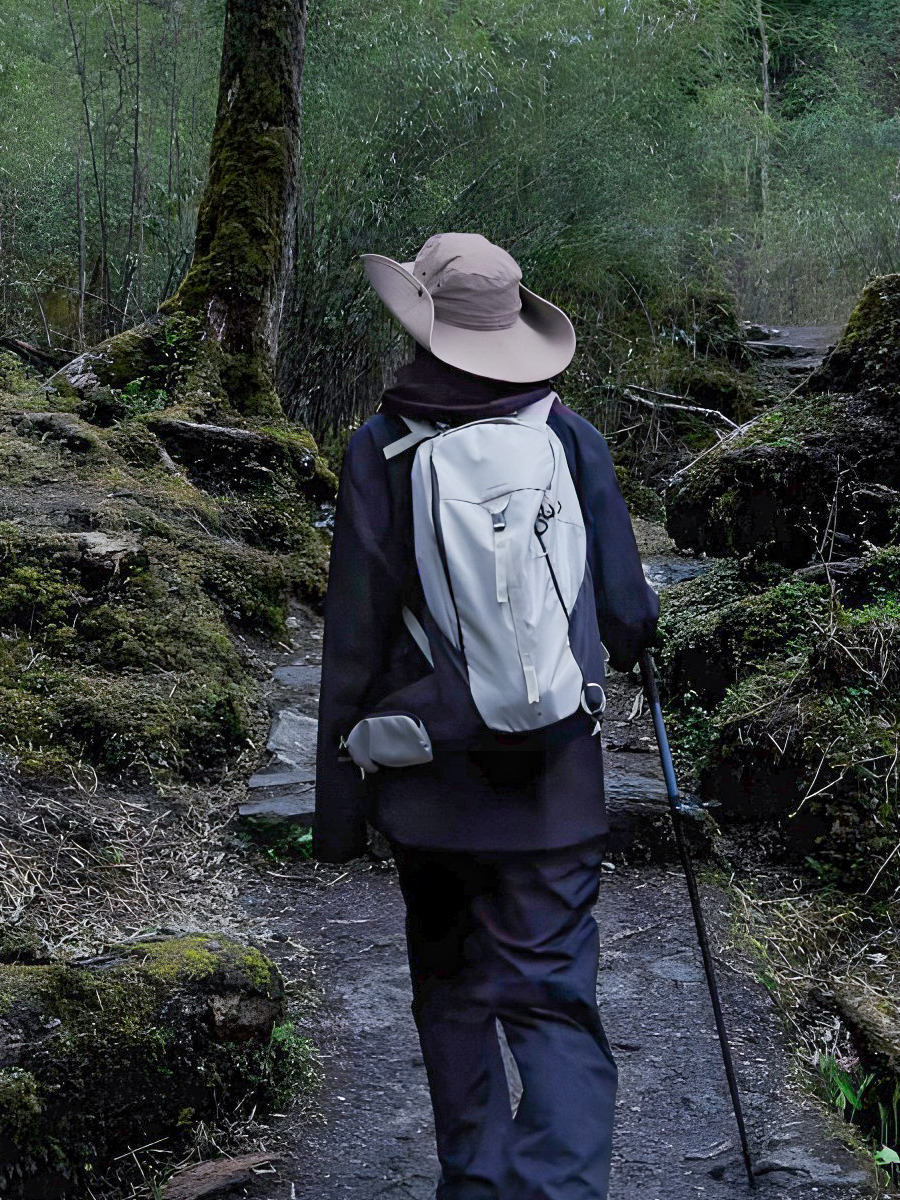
228, 457
704, 380
122, 643
13, 376
135, 1045
874, 1023
254, 585
809, 741
724, 581
157, 355
642, 500
810, 465
866, 359
133, 722
702, 317
136, 668
714, 385
872, 579
707, 649
65, 428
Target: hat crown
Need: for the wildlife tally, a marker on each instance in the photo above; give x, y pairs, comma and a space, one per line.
473, 283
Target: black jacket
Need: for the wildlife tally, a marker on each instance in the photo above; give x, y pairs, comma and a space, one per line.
366, 653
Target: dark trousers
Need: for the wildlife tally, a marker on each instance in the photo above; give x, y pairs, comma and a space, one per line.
511, 937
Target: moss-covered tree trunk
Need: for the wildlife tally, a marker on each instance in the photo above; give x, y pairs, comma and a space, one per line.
214, 341
236, 281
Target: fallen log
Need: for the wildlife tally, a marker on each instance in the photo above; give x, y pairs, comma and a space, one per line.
44, 358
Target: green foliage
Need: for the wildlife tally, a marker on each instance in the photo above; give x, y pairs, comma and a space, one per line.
58, 139
138, 398
843, 1090
278, 840
868, 1099
622, 152
618, 151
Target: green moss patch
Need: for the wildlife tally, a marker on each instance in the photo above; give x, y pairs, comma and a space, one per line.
867, 357
707, 647
123, 587
774, 488
811, 741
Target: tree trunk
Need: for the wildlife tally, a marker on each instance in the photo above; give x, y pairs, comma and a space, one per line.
224, 317
766, 98
242, 250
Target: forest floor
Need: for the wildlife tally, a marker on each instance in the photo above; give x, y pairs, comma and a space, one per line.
337, 933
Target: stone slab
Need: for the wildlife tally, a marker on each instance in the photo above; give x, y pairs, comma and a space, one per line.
292, 738
278, 779
297, 807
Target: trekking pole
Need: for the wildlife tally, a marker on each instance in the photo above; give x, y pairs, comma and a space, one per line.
677, 806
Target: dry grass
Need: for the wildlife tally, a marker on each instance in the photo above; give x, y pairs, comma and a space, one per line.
807, 946
85, 865
804, 943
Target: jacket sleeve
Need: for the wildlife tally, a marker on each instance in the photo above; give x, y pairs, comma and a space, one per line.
627, 606
362, 597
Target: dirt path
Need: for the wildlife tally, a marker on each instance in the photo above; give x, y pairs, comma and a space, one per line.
792, 351
676, 1137
339, 932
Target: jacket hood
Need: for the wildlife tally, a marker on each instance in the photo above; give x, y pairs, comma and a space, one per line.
434, 391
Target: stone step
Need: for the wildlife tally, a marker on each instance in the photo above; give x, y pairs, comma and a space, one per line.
802, 366
284, 790
278, 779
300, 675
289, 806
759, 333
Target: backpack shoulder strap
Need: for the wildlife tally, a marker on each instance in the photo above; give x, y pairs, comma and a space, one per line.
418, 432
537, 412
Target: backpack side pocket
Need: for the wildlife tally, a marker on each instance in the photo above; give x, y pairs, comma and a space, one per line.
391, 739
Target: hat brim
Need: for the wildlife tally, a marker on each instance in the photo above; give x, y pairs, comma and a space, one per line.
539, 345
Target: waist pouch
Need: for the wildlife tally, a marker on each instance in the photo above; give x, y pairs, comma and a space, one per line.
389, 739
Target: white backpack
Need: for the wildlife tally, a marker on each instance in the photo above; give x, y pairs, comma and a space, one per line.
501, 552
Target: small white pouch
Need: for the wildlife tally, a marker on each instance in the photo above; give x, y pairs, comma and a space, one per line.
389, 740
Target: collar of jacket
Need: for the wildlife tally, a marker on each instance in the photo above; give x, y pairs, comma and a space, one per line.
434, 391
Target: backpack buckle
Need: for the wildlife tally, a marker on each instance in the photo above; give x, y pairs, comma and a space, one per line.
595, 715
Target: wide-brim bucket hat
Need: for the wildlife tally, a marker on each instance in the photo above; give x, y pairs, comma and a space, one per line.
462, 298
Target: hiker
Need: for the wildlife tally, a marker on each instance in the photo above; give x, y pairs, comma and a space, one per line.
483, 558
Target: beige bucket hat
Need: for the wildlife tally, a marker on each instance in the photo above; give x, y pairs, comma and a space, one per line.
462, 299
